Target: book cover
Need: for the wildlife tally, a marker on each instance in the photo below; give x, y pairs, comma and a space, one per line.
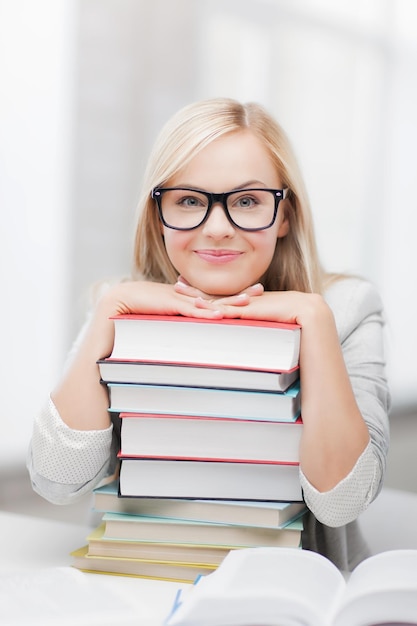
210, 480
247, 513
211, 555
181, 400
141, 568
160, 530
198, 375
199, 438
225, 342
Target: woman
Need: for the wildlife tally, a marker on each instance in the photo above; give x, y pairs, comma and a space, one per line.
197, 253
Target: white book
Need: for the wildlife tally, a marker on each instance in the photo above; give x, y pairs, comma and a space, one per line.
253, 344
286, 587
62, 596
197, 375
197, 438
211, 480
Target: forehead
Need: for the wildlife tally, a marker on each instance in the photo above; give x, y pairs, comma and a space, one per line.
228, 162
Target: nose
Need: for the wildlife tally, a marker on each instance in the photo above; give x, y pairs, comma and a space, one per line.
217, 224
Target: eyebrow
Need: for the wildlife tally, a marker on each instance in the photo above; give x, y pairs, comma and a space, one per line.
246, 185
251, 183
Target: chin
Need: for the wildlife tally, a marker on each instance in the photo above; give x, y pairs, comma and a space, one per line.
220, 291
219, 284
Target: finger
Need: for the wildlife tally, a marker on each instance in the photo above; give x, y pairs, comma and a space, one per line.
203, 303
241, 299
181, 279
183, 286
255, 290
186, 289
205, 313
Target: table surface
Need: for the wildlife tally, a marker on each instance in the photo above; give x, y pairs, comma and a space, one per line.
28, 544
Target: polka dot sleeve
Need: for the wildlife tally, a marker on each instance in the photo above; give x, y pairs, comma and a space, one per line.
350, 497
60, 455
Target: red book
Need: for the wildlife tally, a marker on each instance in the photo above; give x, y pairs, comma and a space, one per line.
199, 438
232, 343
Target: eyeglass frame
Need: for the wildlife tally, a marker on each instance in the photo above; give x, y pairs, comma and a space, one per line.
218, 198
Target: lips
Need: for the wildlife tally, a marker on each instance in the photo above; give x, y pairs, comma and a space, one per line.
217, 256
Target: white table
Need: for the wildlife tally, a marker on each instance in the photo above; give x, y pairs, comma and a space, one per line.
30, 544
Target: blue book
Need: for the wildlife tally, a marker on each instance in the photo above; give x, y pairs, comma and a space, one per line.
208, 402
246, 513
173, 531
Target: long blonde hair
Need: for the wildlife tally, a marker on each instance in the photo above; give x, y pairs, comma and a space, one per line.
295, 264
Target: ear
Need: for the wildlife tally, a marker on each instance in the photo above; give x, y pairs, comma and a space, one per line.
284, 226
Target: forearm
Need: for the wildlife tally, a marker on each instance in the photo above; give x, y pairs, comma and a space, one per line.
82, 401
335, 433
80, 398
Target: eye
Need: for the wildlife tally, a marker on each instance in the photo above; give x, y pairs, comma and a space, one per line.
245, 202
192, 202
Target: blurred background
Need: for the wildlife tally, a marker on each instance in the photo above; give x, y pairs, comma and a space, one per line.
85, 87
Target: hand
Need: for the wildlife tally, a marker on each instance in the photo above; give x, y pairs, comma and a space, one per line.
206, 301
146, 297
255, 303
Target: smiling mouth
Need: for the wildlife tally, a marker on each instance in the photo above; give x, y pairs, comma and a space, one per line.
218, 256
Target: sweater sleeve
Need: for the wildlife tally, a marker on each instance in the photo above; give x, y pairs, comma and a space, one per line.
360, 321
350, 496
64, 463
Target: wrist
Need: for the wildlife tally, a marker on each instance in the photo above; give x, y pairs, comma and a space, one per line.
314, 312
99, 337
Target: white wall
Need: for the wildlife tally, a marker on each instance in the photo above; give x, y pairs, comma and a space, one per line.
36, 59
341, 78
86, 84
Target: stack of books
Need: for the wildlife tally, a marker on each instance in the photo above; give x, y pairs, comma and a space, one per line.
210, 429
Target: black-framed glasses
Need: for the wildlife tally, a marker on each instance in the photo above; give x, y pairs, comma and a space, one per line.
182, 208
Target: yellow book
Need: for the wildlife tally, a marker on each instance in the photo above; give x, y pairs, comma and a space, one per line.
142, 568
98, 545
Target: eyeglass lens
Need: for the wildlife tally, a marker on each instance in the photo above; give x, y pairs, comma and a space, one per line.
249, 208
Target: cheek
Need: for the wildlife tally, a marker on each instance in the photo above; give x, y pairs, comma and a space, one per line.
176, 242
265, 254
264, 244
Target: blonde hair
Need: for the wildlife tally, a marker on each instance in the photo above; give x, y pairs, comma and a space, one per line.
295, 264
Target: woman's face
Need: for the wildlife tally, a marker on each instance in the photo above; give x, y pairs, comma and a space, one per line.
217, 257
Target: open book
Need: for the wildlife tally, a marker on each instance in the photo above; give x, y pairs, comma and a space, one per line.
287, 587
62, 596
